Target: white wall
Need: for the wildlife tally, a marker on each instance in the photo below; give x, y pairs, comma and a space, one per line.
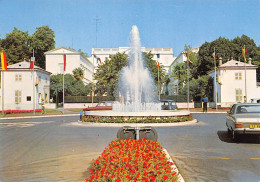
55, 63
26, 88
227, 89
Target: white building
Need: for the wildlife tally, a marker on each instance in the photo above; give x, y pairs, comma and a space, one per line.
23, 87
236, 82
74, 59
163, 55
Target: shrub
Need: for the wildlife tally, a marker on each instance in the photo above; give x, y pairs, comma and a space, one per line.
135, 120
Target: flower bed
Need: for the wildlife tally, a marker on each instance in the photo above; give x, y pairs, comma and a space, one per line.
20, 111
221, 108
132, 160
144, 120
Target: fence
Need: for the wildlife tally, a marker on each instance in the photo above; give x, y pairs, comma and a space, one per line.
87, 99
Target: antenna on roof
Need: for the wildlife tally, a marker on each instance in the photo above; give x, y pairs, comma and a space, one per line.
97, 19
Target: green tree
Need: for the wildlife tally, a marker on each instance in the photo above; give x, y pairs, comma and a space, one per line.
42, 41
152, 66
108, 73
227, 49
78, 73
72, 87
16, 45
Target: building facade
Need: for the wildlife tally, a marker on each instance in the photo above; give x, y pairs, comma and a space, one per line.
74, 59
23, 88
163, 55
235, 82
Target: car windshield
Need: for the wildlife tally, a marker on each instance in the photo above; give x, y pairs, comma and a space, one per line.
248, 109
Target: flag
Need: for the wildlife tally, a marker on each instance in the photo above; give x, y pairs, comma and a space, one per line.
244, 51
99, 60
64, 58
32, 63
188, 56
158, 66
3, 61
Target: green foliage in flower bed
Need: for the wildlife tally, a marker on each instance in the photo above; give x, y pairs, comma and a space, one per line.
135, 120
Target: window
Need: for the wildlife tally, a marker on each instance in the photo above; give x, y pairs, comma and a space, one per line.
18, 77
238, 76
29, 98
18, 96
239, 95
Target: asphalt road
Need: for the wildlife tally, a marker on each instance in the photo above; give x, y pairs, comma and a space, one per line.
53, 149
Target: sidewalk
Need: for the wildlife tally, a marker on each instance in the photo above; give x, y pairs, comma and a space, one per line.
49, 113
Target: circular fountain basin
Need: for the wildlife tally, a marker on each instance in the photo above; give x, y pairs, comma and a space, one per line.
138, 115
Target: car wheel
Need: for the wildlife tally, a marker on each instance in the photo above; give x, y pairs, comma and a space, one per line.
229, 131
234, 136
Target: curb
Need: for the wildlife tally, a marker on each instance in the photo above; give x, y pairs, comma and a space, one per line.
174, 167
43, 116
208, 112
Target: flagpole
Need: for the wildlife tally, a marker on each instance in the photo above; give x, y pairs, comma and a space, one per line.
216, 96
158, 82
188, 98
33, 86
3, 93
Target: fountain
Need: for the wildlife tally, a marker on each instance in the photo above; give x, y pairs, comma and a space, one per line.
136, 89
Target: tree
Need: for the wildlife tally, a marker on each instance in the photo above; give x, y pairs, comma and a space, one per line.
72, 87
78, 73
198, 85
16, 45
152, 66
19, 45
227, 49
107, 74
42, 41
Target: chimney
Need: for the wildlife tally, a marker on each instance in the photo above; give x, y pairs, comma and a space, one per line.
249, 61
220, 61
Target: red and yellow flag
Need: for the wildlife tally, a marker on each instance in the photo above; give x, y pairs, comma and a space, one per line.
188, 56
3, 61
158, 66
244, 51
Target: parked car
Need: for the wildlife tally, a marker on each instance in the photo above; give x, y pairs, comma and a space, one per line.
243, 119
255, 100
104, 105
168, 105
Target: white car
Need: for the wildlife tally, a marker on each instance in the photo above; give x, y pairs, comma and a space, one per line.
243, 119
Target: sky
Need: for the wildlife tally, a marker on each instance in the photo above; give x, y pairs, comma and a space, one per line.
87, 24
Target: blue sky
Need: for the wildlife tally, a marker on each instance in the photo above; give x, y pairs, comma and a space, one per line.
161, 23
